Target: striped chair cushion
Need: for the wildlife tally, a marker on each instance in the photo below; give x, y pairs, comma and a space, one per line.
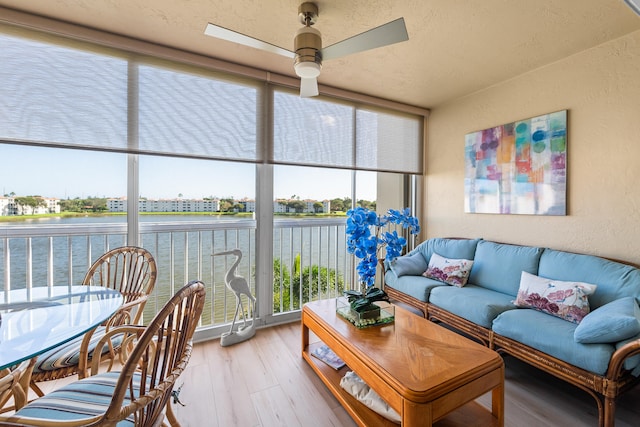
68, 354
84, 398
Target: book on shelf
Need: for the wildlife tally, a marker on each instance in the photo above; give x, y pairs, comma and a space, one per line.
327, 355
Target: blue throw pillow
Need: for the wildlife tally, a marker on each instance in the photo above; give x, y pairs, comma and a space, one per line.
409, 265
613, 322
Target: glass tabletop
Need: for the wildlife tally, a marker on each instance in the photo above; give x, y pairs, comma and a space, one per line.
36, 320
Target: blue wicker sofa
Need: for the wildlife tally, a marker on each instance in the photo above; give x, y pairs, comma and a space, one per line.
596, 349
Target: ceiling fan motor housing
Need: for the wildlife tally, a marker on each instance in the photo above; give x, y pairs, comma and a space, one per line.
308, 46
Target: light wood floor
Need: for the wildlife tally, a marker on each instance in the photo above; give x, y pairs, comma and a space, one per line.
264, 382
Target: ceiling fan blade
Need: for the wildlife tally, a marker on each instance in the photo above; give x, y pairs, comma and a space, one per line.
634, 4
384, 35
235, 37
308, 87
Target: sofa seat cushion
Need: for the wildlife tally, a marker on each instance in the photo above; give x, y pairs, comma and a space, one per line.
553, 336
474, 303
418, 287
498, 266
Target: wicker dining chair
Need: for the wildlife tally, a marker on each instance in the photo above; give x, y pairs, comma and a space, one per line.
13, 386
128, 269
138, 394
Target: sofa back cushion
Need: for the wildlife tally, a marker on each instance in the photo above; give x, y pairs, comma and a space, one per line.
614, 279
448, 248
499, 266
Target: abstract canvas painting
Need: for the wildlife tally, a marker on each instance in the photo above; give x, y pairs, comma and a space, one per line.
518, 168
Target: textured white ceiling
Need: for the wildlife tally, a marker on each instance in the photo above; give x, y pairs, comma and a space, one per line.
455, 47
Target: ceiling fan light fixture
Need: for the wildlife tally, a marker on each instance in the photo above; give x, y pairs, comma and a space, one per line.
308, 59
307, 70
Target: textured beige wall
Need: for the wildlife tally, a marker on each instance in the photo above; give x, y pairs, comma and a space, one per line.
600, 88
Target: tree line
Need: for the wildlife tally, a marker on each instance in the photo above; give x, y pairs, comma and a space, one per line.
343, 205
79, 205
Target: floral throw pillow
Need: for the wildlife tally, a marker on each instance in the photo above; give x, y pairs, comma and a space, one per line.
451, 271
566, 300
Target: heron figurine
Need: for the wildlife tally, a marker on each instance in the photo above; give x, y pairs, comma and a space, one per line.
239, 286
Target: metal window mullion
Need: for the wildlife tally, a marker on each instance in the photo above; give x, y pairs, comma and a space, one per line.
133, 167
264, 204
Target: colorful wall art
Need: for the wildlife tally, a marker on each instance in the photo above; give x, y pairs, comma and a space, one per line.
518, 168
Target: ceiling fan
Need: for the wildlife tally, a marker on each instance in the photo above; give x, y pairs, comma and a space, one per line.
308, 52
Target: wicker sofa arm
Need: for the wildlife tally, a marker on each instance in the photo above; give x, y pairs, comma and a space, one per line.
616, 365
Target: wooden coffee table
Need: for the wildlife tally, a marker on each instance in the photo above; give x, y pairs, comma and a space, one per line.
422, 370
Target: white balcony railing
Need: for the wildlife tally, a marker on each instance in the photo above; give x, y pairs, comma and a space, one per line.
310, 259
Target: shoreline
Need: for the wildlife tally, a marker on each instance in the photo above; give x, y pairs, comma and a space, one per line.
25, 218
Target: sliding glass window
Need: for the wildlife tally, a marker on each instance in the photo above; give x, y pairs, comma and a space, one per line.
188, 161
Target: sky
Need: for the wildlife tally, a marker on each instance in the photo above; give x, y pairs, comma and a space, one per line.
64, 173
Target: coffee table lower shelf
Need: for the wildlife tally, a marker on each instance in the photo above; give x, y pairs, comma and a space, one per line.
471, 413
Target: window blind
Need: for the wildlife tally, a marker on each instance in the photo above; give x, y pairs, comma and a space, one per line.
60, 96
193, 115
329, 133
311, 131
57, 95
58, 92
387, 141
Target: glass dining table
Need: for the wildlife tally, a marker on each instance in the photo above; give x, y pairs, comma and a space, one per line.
36, 320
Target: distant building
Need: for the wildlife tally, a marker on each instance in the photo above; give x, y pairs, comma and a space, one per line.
166, 205
249, 205
282, 206
53, 205
9, 207
117, 205
210, 205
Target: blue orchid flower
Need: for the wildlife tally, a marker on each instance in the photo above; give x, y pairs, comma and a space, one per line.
367, 234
